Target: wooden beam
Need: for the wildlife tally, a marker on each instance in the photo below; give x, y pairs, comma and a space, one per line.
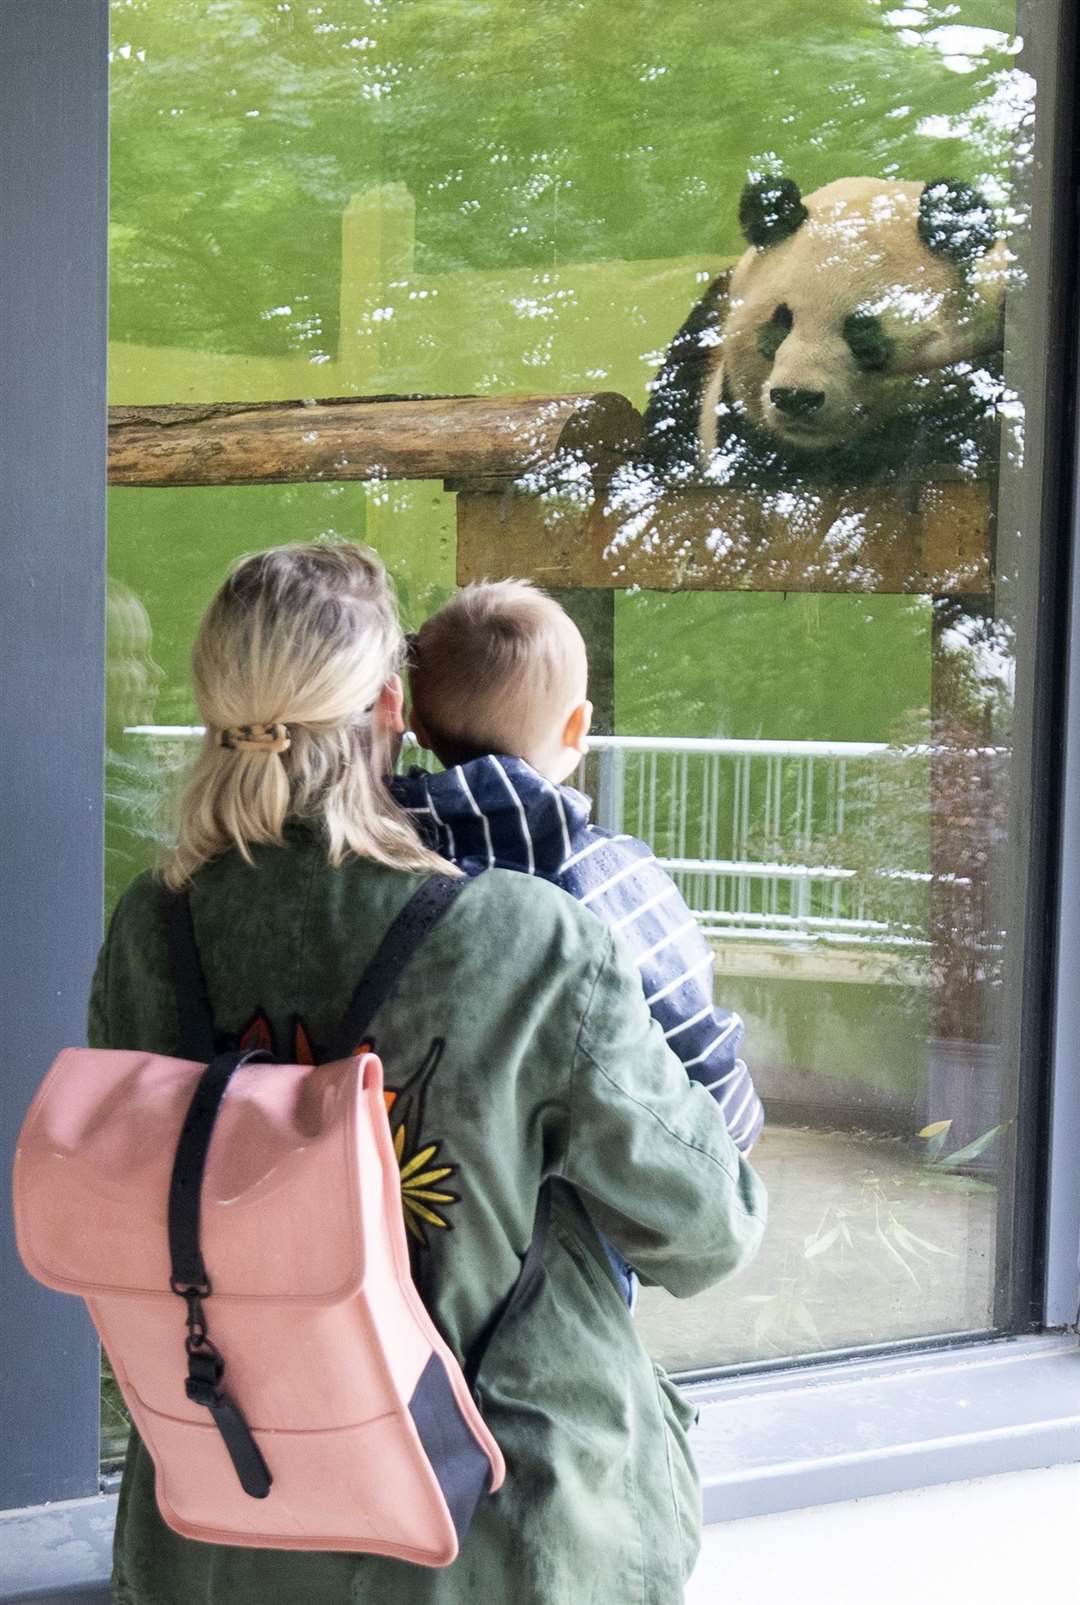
473, 437
532, 476
932, 538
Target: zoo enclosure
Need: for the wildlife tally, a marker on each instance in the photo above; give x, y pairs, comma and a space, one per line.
552, 486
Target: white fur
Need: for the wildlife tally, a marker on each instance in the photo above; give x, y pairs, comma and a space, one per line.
858, 251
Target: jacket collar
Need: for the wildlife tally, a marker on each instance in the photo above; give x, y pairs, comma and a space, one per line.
496, 812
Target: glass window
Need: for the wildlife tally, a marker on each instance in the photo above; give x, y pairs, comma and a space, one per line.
792, 257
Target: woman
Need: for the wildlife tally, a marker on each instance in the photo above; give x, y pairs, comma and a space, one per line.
296, 861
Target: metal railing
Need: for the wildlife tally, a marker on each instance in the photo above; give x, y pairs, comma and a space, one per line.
791, 842
779, 841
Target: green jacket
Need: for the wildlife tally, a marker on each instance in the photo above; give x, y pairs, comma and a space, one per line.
553, 1067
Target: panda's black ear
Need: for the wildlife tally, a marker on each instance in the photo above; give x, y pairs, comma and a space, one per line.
770, 210
955, 220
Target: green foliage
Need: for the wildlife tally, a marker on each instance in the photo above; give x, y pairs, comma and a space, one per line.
115, 1421
936, 1137
560, 131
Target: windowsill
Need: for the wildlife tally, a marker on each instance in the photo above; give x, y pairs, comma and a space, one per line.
810, 1436
782, 1441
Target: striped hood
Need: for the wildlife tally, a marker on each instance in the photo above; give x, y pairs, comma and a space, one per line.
496, 813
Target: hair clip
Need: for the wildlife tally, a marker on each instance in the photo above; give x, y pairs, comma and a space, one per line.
256, 738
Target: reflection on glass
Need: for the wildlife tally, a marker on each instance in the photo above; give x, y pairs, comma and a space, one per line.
789, 253
133, 824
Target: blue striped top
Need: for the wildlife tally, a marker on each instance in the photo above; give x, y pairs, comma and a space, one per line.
497, 812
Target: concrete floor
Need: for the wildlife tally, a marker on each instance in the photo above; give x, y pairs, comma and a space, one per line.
864, 1245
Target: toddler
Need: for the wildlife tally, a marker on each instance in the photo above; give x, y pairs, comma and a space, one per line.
498, 682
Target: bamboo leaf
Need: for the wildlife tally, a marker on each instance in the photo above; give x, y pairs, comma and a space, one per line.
916, 1244
804, 1321
934, 1147
895, 1254
935, 1129
963, 1156
818, 1245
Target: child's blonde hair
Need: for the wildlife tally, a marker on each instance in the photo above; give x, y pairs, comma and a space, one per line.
288, 666
494, 670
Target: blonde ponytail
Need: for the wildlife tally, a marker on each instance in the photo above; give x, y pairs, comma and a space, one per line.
304, 638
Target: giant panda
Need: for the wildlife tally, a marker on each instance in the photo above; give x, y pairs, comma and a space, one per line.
855, 338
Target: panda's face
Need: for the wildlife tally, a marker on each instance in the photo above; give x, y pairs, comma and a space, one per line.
815, 374
811, 379
831, 332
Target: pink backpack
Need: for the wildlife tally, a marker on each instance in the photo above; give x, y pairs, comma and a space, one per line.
299, 1396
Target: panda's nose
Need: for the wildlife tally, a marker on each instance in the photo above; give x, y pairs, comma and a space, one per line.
797, 403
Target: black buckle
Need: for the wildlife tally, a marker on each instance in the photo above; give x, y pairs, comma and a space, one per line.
195, 1318
206, 1367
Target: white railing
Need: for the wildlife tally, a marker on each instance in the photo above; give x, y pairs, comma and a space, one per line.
791, 842
794, 842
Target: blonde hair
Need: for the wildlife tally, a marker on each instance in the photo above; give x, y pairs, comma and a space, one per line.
306, 637
495, 670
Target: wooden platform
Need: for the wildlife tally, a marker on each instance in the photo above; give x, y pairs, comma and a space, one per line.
933, 538
543, 491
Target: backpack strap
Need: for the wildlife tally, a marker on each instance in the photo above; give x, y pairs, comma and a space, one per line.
419, 916
189, 1280
197, 1036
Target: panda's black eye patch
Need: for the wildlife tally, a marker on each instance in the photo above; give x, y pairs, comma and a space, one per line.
772, 335
867, 341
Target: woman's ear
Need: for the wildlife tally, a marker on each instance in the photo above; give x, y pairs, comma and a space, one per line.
576, 729
390, 706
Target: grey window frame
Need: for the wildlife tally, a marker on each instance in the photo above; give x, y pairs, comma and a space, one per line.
768, 1439
53, 311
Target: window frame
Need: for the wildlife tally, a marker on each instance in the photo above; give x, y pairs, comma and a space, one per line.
769, 1438
53, 314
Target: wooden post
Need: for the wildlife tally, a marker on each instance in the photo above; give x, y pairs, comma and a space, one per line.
378, 242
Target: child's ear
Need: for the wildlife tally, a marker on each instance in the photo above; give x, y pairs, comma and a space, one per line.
390, 706
576, 729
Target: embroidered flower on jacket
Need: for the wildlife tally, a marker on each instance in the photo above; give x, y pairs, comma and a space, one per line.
418, 1190
423, 1200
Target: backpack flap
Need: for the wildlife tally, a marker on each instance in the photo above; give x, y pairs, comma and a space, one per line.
95, 1156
